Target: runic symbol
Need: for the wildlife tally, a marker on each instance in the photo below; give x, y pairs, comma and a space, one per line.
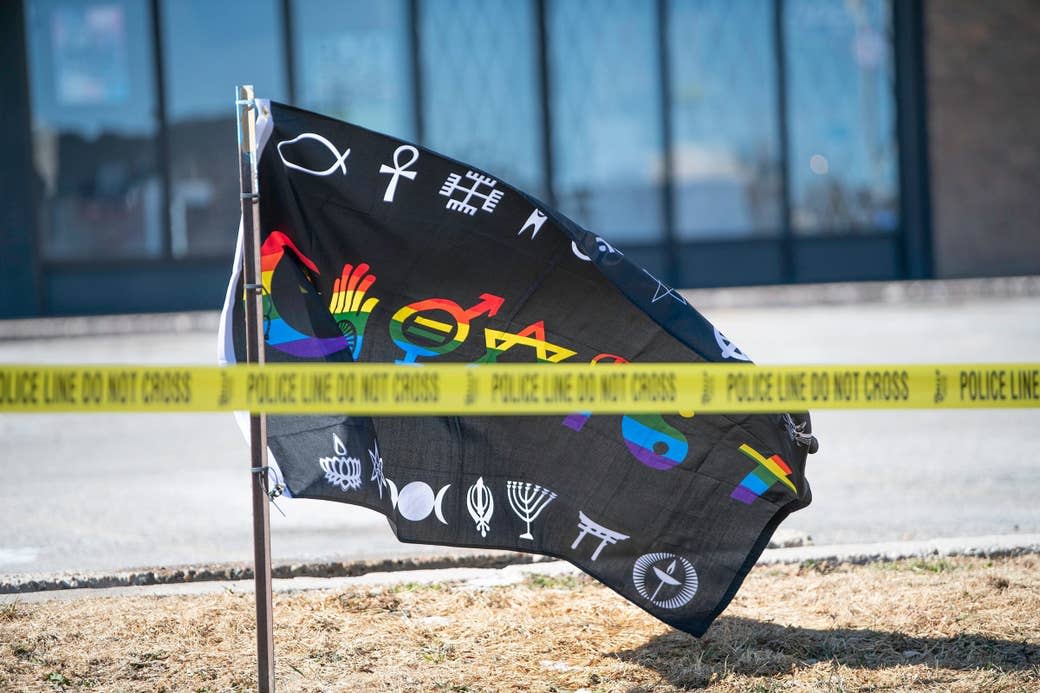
399, 169
491, 197
663, 291
606, 536
729, 349
340, 470
528, 500
481, 506
534, 223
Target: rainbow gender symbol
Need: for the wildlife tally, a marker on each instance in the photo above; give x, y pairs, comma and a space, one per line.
768, 472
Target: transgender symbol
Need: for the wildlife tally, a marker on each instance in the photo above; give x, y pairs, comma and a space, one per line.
416, 501
340, 470
420, 328
528, 501
729, 349
491, 197
399, 169
606, 536
340, 160
481, 506
670, 583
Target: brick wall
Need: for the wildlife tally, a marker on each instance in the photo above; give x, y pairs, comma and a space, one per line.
983, 82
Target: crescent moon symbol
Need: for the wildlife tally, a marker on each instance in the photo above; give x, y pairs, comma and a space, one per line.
437, 509
393, 491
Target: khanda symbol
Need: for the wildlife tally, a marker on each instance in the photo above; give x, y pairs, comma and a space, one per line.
349, 305
481, 506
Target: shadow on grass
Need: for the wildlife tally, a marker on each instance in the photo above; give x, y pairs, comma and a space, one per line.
753, 648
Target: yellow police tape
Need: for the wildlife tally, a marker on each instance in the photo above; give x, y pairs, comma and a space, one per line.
380, 389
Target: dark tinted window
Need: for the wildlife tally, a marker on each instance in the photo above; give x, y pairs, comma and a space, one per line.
353, 62
725, 135
209, 48
606, 116
95, 129
480, 89
844, 160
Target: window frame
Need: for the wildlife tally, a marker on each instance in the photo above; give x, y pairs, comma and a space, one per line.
906, 249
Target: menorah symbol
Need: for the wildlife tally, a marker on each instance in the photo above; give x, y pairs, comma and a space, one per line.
528, 500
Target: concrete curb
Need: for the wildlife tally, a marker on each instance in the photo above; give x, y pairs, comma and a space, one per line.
509, 568
22, 584
992, 546
935, 291
492, 559
109, 325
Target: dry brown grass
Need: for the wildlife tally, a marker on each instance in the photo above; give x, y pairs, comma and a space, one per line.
945, 625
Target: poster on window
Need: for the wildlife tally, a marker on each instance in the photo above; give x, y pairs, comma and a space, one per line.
90, 53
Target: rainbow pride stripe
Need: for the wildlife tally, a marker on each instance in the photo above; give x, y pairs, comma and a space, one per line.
444, 337
280, 334
768, 472
499, 342
653, 442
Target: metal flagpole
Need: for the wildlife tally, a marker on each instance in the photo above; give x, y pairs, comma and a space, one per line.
250, 194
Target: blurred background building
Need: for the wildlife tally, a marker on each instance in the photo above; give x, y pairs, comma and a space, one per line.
718, 142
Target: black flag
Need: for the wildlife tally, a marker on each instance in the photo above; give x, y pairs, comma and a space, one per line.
377, 250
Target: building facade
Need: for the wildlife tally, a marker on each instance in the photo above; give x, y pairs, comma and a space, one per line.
717, 142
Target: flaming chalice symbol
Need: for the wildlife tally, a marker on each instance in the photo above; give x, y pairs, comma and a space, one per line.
679, 578
665, 576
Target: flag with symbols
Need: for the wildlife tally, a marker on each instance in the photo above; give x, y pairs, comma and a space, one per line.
377, 250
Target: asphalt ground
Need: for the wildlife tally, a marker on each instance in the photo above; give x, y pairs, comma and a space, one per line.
110, 492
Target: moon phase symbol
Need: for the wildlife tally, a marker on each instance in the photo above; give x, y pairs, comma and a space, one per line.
416, 500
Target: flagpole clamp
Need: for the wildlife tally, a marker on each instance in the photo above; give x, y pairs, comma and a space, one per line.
265, 482
799, 434
248, 103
